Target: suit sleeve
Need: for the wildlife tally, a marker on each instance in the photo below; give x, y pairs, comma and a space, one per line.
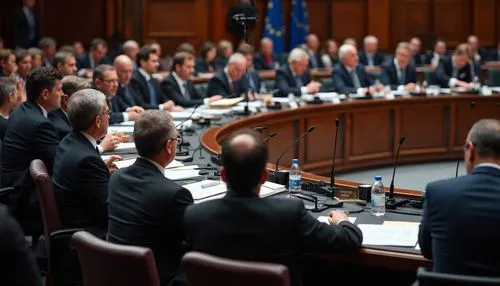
284, 88
93, 178
319, 236
139, 92
442, 77
180, 202
46, 142
18, 264
424, 234
385, 78
177, 98
215, 88
340, 85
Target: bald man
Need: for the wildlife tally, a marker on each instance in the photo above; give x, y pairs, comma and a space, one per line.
289, 229
125, 96
265, 59
312, 48
229, 83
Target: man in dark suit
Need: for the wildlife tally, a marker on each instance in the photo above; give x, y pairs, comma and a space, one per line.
48, 46
65, 62
80, 177
229, 82
146, 208
312, 49
399, 73
30, 135
96, 56
479, 55
289, 230
251, 76
265, 59
18, 265
178, 86
146, 86
23, 63
125, 96
370, 55
458, 70
105, 79
416, 50
26, 26
459, 230
349, 77
438, 53
295, 78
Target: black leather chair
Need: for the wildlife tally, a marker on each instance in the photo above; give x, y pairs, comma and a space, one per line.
428, 278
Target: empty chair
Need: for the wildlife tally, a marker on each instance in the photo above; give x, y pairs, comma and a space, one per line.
428, 278
204, 269
108, 264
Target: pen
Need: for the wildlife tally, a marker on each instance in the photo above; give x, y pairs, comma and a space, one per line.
210, 184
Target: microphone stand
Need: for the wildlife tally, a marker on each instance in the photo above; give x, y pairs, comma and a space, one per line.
391, 202
330, 190
180, 152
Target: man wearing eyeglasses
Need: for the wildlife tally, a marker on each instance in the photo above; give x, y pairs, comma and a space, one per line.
80, 176
105, 79
146, 208
459, 229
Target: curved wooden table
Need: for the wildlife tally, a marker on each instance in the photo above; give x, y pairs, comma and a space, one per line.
435, 129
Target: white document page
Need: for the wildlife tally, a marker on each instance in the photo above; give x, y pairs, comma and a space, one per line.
324, 219
206, 188
121, 129
389, 235
125, 146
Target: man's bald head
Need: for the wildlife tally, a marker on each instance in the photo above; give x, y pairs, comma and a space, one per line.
124, 67
244, 158
312, 42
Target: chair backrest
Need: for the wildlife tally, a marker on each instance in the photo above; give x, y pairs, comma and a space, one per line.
107, 264
204, 269
428, 278
494, 77
48, 205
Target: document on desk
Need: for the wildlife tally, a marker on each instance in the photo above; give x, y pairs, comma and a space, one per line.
121, 129
206, 188
389, 234
127, 123
182, 173
125, 146
269, 189
124, 163
324, 219
184, 114
175, 164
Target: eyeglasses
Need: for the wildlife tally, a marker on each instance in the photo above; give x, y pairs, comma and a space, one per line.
110, 80
108, 113
178, 140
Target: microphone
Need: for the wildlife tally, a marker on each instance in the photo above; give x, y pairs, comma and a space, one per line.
282, 177
270, 136
181, 133
391, 203
332, 201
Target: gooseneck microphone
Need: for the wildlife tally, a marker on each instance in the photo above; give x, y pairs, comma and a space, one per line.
309, 130
282, 177
332, 174
181, 133
391, 202
189, 117
270, 136
332, 201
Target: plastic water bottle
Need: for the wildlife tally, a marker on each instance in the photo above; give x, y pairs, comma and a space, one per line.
378, 197
295, 179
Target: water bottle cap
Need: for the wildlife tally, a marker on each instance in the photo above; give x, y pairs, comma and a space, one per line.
378, 178
295, 161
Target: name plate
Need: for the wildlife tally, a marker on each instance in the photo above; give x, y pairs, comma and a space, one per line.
346, 193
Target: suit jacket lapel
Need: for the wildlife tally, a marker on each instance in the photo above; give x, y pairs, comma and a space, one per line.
347, 75
228, 87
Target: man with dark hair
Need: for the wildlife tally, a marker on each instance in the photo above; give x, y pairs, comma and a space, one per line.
146, 86
289, 230
146, 208
23, 62
65, 62
96, 56
458, 70
48, 46
459, 230
30, 135
81, 177
178, 85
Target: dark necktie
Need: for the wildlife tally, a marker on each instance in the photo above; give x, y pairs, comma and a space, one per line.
298, 82
152, 93
233, 86
402, 76
355, 79
187, 95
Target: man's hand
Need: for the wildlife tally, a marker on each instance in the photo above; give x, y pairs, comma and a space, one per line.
214, 98
21, 94
169, 105
463, 84
110, 142
132, 115
335, 217
379, 87
109, 162
177, 108
135, 108
313, 87
410, 86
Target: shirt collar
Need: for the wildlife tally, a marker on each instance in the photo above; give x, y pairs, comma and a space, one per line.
227, 76
491, 165
44, 111
144, 74
91, 139
179, 80
160, 168
348, 68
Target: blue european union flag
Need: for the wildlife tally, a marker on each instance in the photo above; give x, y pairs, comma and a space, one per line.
299, 23
273, 27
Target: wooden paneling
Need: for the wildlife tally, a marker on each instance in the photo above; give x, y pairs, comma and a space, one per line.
379, 21
484, 21
286, 135
349, 19
371, 135
452, 20
319, 144
319, 21
410, 18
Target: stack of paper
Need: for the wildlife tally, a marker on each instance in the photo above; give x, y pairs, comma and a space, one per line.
225, 102
206, 189
127, 123
389, 234
182, 173
121, 129
270, 188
